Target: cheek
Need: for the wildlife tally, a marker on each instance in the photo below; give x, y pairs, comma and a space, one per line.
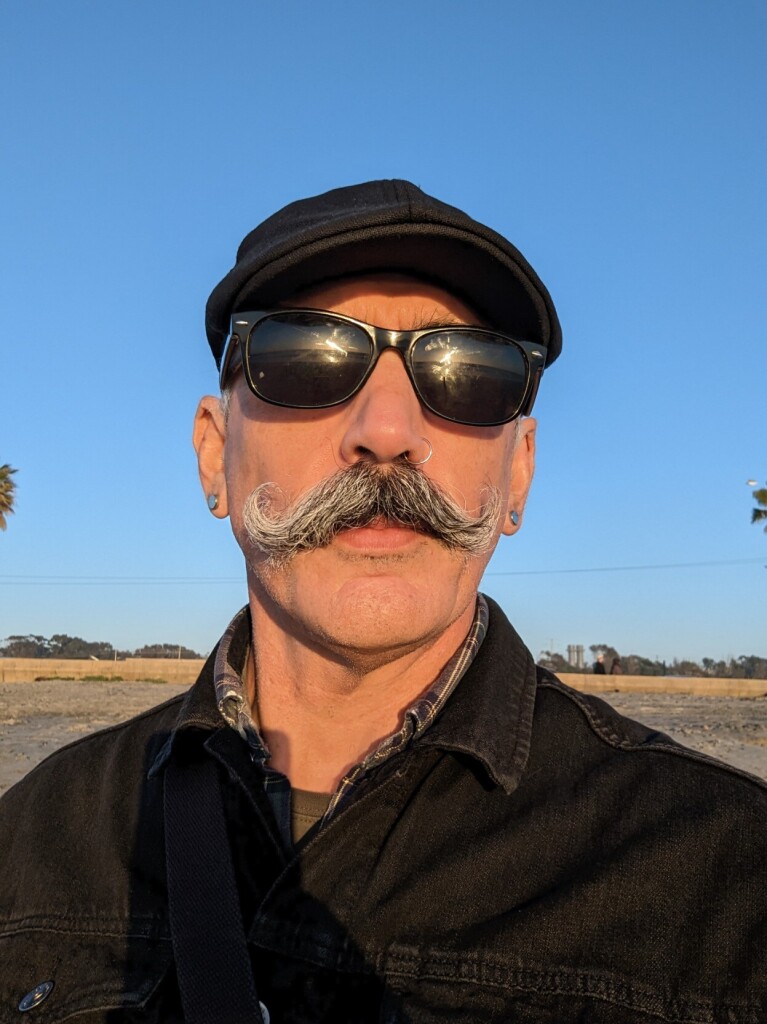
470, 472
472, 456
241, 466
292, 457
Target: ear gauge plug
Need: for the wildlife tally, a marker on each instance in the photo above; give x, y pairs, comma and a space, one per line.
212, 502
514, 517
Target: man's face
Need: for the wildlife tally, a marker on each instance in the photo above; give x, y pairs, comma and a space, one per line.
384, 588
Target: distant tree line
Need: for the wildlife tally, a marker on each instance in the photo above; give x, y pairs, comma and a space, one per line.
747, 666
62, 646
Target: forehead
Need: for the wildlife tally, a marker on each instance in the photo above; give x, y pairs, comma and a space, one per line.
396, 301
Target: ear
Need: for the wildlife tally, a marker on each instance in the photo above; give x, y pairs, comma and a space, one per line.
208, 438
522, 469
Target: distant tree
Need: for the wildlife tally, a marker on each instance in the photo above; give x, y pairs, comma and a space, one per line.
25, 647
637, 665
685, 667
759, 514
554, 662
746, 666
58, 646
606, 649
720, 669
165, 651
7, 493
753, 667
608, 652
63, 646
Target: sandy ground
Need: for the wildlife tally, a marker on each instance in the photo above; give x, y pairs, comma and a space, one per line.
38, 718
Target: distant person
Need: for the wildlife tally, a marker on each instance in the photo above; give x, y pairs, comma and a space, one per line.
599, 665
371, 806
616, 668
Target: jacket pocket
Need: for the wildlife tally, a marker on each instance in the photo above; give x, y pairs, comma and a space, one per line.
62, 975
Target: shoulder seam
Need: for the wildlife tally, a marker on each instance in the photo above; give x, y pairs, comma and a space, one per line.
117, 727
605, 732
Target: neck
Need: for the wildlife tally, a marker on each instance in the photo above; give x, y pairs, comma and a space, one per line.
322, 710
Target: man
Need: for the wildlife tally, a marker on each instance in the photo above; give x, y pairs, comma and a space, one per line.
372, 806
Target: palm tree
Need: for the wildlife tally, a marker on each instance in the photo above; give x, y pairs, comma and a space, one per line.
7, 487
759, 515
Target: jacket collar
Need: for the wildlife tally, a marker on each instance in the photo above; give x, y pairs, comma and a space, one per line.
490, 715
198, 716
487, 717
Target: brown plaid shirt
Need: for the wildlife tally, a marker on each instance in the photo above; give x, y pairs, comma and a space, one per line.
232, 701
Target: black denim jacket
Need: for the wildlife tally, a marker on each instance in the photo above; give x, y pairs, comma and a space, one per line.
533, 857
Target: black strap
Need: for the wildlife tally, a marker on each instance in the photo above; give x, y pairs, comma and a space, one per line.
215, 977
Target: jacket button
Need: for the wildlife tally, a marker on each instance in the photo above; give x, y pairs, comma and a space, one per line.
264, 1012
38, 995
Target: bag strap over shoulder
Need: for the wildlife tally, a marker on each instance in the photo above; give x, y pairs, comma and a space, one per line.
215, 976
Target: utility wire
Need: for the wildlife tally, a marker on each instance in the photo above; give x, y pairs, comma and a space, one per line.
627, 568
24, 580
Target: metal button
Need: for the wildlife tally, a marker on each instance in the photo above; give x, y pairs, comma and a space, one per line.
264, 1012
38, 995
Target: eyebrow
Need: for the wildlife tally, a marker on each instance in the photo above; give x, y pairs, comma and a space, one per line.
421, 321
425, 323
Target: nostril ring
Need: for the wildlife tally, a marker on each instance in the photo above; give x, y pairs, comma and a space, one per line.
422, 462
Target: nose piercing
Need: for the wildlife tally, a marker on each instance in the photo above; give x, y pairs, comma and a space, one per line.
422, 461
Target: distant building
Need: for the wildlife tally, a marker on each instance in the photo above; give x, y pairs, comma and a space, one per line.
575, 655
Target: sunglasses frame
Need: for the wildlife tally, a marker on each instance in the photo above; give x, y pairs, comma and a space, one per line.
243, 324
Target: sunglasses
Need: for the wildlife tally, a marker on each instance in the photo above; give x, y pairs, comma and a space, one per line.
312, 359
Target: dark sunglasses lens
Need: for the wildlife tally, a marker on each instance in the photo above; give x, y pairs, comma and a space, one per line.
307, 360
470, 376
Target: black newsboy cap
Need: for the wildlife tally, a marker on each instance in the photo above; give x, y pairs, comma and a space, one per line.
384, 226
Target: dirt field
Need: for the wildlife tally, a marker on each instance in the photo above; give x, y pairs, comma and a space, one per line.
37, 718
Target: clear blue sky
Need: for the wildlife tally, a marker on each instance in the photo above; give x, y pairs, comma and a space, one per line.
621, 146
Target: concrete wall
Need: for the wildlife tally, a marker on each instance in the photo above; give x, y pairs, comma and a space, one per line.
24, 670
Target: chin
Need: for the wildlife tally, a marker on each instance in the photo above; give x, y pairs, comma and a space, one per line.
372, 614
368, 605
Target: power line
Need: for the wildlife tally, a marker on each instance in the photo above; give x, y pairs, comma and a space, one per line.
53, 580
122, 579
98, 581
627, 568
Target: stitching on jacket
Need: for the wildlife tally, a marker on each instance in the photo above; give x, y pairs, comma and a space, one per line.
96, 926
605, 730
563, 981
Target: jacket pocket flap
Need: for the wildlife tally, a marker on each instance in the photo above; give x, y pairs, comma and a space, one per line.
60, 974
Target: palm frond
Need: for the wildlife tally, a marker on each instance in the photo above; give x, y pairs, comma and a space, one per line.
7, 493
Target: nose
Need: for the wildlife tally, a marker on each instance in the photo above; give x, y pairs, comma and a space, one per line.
385, 420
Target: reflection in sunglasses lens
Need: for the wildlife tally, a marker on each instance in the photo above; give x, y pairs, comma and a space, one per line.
473, 378
308, 361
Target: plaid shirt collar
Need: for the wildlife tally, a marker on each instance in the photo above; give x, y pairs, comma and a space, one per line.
232, 702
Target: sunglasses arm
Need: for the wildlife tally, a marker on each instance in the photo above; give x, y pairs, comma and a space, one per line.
534, 385
231, 359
